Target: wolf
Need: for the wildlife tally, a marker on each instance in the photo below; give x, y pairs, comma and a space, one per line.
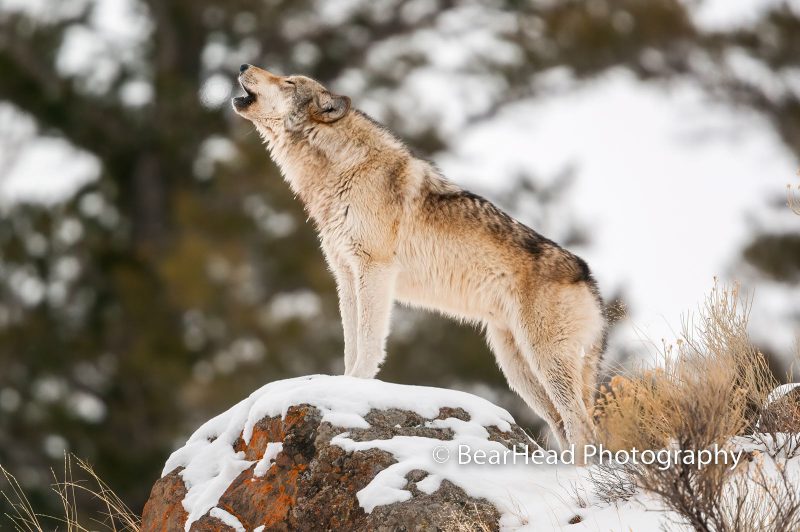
392, 228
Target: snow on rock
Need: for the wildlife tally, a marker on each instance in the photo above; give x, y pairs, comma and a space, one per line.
347, 453
781, 412
227, 518
781, 391
267, 461
211, 464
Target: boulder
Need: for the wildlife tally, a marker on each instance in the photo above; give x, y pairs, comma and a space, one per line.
333, 453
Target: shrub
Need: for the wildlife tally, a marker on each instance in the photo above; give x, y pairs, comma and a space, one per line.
712, 391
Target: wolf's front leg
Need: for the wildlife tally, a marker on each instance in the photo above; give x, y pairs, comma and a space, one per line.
375, 294
348, 308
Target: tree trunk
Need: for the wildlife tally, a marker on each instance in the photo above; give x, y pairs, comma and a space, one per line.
150, 223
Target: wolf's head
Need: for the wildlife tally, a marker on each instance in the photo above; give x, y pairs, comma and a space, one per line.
286, 103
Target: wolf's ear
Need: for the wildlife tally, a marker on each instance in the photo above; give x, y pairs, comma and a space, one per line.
326, 107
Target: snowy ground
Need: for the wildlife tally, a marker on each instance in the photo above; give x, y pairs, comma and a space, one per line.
529, 496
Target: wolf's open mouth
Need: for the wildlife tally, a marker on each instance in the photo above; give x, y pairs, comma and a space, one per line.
243, 102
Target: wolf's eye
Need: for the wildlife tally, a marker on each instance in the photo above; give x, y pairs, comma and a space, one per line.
288, 82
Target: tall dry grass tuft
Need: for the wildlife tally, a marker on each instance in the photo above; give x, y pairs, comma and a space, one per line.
712, 390
116, 517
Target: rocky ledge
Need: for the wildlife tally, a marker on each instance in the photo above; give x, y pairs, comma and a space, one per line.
335, 453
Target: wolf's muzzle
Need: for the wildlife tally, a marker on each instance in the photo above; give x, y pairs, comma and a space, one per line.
243, 102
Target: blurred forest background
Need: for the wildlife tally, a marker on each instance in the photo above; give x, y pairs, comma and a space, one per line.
183, 275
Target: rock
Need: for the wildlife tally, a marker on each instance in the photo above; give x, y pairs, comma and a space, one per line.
169, 491
331, 451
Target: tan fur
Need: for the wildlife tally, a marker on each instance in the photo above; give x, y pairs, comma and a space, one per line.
392, 228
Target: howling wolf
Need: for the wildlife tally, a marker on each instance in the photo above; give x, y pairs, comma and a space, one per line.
393, 228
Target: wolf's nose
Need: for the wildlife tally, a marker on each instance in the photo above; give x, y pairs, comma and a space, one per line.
243, 67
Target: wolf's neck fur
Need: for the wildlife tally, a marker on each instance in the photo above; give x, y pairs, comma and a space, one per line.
321, 161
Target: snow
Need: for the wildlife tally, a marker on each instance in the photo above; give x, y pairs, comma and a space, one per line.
266, 462
781, 391
208, 478
38, 169
344, 401
527, 495
227, 518
728, 15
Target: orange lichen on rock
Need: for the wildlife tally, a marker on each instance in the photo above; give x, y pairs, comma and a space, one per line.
164, 510
265, 500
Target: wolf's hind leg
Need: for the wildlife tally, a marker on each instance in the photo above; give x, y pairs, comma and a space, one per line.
559, 366
521, 379
591, 369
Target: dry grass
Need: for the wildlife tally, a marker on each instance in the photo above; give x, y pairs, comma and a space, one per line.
579, 494
713, 387
116, 517
468, 520
612, 483
762, 497
710, 388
